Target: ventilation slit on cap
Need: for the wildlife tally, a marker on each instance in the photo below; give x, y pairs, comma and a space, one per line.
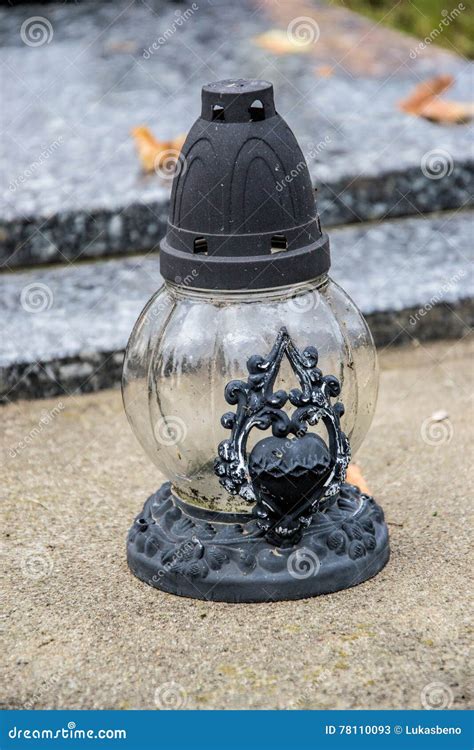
279, 243
256, 111
217, 112
200, 246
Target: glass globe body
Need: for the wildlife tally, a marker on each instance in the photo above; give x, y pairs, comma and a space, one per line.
188, 344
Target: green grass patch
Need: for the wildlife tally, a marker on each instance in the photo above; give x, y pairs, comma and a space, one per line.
421, 18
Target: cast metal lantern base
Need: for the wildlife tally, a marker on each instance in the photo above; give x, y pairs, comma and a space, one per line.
182, 550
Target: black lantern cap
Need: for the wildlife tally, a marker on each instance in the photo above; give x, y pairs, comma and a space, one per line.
242, 211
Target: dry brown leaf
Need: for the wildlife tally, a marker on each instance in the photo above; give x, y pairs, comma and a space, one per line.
354, 476
325, 71
281, 42
121, 46
424, 102
424, 92
439, 110
155, 154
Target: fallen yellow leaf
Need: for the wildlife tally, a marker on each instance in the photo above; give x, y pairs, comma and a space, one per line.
439, 110
155, 154
424, 102
325, 71
281, 42
354, 476
424, 92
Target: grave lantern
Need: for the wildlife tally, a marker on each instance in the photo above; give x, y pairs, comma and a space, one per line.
249, 376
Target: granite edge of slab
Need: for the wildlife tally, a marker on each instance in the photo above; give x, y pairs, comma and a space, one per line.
138, 227
94, 371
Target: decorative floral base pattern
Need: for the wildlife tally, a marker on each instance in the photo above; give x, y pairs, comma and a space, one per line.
198, 557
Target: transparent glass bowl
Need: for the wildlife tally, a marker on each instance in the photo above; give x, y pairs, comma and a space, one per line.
187, 345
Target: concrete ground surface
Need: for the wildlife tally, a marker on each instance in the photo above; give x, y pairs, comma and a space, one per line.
79, 631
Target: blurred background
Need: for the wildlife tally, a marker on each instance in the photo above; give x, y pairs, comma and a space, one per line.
98, 97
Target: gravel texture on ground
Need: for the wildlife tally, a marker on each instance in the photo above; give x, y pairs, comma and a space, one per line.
79, 631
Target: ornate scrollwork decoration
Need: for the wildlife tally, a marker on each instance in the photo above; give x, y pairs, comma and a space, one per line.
295, 472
